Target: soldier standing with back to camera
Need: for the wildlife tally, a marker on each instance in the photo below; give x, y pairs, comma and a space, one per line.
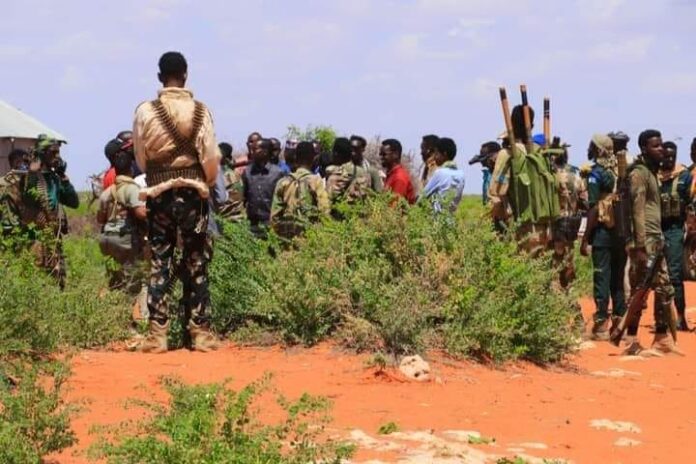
175, 146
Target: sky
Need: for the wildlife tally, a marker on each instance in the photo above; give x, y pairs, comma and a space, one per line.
397, 69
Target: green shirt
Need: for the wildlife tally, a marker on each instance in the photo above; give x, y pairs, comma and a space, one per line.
645, 204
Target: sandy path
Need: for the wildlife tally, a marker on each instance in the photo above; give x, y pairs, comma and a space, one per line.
531, 411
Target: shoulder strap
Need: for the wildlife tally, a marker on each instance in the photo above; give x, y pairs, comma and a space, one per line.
182, 143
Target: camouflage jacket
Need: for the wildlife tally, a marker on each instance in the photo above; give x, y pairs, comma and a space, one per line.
299, 198
347, 182
233, 209
571, 190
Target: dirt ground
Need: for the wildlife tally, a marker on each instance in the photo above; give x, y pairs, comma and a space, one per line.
599, 408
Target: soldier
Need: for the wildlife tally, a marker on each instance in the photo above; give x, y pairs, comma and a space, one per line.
573, 200
676, 195
18, 160
487, 155
427, 148
446, 185
276, 150
35, 198
260, 179
608, 251
646, 238
358, 145
175, 146
346, 181
300, 198
233, 208
533, 234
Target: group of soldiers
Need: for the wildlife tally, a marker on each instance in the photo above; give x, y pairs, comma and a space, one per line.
168, 175
637, 216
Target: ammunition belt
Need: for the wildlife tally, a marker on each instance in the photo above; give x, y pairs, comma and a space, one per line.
158, 175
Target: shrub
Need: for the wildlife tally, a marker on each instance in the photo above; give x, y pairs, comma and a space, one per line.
34, 420
213, 424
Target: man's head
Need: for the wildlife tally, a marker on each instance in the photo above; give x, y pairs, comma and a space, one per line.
173, 70
341, 150
18, 159
226, 152
445, 151
650, 143
670, 155
276, 148
390, 153
123, 163
487, 155
47, 149
600, 146
261, 152
290, 151
357, 148
253, 138
518, 126
304, 155
428, 145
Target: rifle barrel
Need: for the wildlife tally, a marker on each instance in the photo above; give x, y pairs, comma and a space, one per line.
527, 117
547, 120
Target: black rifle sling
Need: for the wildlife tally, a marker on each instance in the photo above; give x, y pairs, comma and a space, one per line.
183, 144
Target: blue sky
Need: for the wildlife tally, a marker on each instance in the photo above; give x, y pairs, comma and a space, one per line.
391, 68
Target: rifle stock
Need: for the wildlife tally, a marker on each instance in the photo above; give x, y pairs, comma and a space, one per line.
508, 119
637, 300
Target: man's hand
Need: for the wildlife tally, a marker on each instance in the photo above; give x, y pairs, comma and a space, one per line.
60, 166
639, 256
584, 248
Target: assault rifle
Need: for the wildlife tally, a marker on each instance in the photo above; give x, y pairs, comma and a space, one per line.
623, 225
638, 299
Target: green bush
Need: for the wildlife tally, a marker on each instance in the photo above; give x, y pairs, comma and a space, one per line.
34, 420
213, 424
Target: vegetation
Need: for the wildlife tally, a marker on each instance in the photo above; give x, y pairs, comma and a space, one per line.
213, 424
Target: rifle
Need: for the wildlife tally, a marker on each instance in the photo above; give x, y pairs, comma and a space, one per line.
638, 299
508, 119
547, 122
622, 202
527, 118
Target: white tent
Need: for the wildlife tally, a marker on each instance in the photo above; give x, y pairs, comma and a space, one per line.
19, 130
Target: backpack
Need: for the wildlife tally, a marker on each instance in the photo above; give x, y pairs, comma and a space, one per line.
533, 187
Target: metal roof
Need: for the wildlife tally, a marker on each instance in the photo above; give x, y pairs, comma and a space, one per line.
14, 123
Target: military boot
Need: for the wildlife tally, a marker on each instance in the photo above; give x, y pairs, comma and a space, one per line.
632, 347
201, 338
664, 344
156, 340
682, 325
600, 331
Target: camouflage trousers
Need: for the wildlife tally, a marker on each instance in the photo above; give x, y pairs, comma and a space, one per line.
564, 261
533, 238
175, 213
664, 292
49, 256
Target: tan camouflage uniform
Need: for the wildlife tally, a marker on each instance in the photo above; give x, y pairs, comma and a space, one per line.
233, 209
299, 199
572, 192
348, 182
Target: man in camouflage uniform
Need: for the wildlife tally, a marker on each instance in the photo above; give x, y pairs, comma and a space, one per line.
358, 145
36, 198
646, 239
675, 187
232, 209
175, 146
300, 198
573, 200
346, 181
608, 251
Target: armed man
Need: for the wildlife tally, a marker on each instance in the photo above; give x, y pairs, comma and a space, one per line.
175, 146
675, 187
233, 208
523, 182
648, 267
346, 181
36, 198
358, 145
608, 249
573, 201
486, 156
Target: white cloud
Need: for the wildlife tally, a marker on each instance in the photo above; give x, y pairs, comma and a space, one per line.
73, 78
631, 49
676, 83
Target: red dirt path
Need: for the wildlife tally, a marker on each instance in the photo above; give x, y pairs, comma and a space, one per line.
520, 403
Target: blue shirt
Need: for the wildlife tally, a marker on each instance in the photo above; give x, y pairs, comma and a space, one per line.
445, 187
487, 176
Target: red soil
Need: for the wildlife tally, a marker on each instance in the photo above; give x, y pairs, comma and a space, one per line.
515, 404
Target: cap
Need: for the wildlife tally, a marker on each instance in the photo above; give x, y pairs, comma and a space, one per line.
44, 142
618, 135
539, 139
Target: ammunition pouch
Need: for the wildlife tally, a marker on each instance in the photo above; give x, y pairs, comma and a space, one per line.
566, 228
670, 206
605, 211
157, 174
